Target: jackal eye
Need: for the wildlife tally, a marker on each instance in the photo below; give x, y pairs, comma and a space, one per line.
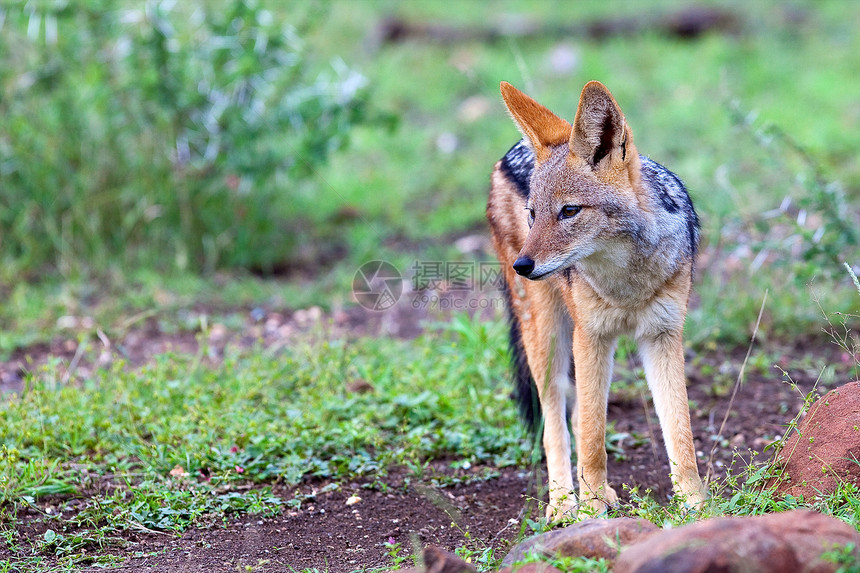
569, 211
531, 216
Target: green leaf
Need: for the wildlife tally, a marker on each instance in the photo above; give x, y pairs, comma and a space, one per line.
50, 536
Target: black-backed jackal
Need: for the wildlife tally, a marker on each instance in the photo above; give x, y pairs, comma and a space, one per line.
595, 241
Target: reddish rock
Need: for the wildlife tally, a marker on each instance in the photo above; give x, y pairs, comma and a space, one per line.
439, 561
593, 538
826, 447
777, 543
531, 568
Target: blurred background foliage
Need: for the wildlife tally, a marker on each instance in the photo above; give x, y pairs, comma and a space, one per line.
161, 133
146, 140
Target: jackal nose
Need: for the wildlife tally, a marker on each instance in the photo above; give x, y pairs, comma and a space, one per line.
524, 266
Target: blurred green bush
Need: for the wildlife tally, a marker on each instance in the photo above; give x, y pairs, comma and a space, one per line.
160, 133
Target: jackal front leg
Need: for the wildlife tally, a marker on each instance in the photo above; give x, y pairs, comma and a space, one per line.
593, 358
663, 361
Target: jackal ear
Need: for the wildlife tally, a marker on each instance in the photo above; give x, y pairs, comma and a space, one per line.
599, 128
541, 127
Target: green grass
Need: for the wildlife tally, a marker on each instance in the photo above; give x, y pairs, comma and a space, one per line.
173, 438
177, 411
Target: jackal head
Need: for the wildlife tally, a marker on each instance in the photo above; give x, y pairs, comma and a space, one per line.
582, 192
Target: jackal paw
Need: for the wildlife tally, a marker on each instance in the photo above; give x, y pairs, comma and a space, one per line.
564, 506
691, 490
592, 504
695, 498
